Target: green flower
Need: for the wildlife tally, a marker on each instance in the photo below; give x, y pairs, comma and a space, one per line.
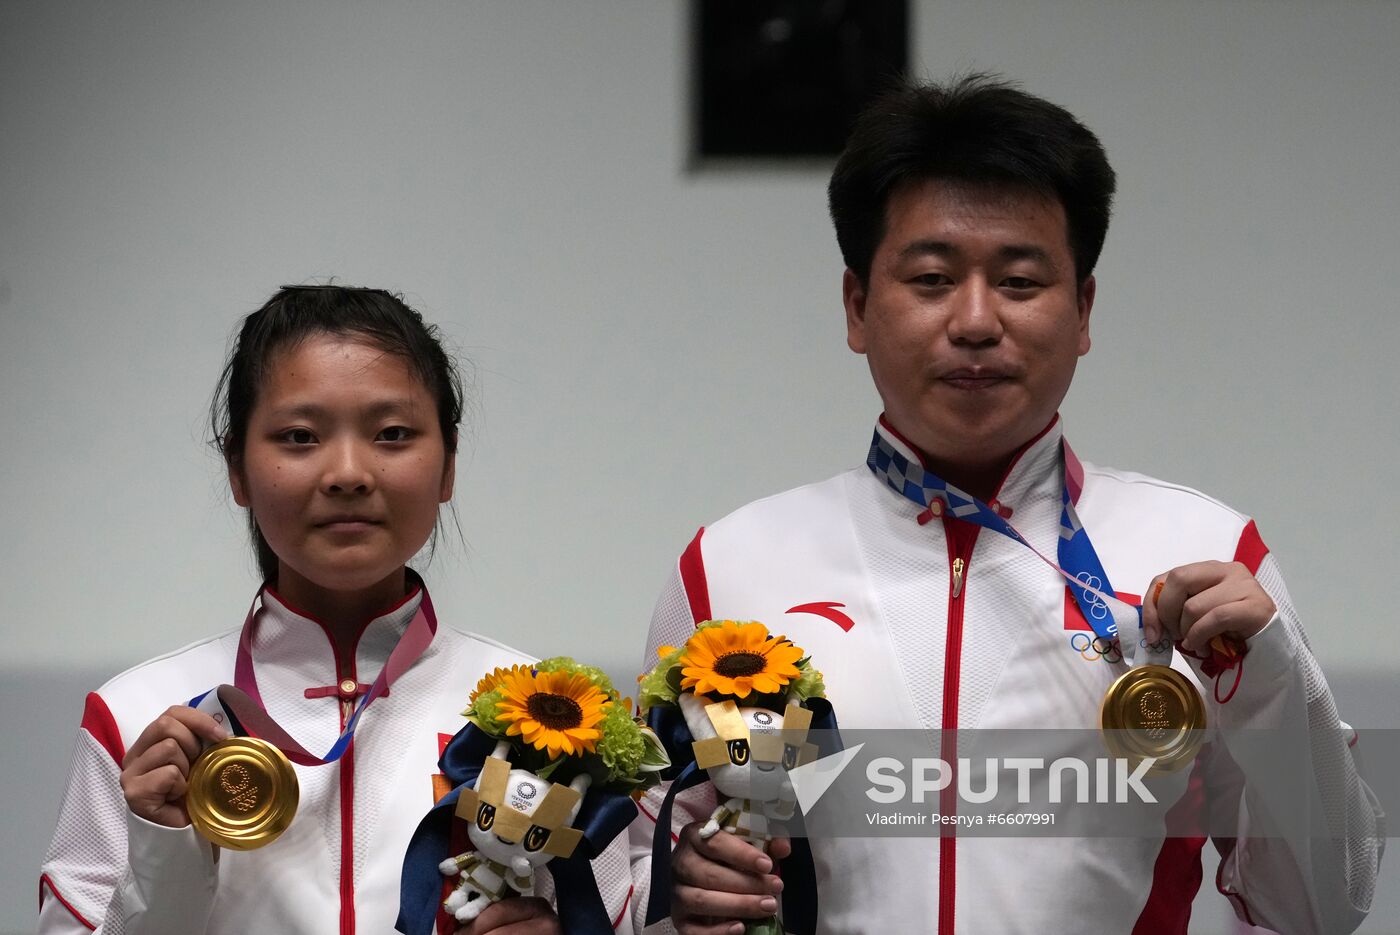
808, 683
621, 747
567, 664
485, 713
659, 687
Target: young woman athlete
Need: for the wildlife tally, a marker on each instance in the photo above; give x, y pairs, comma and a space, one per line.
337, 417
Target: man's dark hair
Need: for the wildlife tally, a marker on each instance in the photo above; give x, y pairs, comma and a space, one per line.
980, 131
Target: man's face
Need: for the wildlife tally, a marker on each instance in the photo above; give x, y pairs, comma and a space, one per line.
972, 320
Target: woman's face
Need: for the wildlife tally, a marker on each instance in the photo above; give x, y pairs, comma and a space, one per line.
343, 466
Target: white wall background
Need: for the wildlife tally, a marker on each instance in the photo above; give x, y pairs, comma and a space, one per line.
653, 345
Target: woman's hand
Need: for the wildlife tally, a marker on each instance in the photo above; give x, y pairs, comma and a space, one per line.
156, 769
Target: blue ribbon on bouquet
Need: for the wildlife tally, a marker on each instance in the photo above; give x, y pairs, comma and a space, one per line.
603, 815
798, 869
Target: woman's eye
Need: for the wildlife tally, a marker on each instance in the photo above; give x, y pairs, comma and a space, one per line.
299, 436
395, 433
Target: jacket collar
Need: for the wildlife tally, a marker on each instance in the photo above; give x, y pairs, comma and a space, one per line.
1034, 468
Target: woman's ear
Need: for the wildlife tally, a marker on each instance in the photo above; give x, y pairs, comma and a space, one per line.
449, 477
235, 480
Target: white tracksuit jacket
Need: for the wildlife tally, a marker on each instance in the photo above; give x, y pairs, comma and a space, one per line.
844, 569
337, 868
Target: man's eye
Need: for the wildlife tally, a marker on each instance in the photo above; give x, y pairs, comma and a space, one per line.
1020, 283
933, 279
299, 436
395, 433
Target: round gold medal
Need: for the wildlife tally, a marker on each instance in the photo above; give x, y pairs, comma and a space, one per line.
1153, 711
242, 793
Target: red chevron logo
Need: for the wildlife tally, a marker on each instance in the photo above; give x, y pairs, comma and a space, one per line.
825, 609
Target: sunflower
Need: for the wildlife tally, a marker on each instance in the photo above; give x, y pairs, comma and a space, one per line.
558, 712
736, 659
492, 680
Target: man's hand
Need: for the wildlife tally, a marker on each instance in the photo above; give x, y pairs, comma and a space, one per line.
721, 880
1203, 600
156, 769
526, 915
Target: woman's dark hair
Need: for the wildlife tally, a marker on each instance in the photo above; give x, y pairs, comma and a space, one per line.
980, 131
298, 312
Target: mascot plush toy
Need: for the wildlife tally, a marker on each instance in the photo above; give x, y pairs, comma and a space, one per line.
746, 701
542, 775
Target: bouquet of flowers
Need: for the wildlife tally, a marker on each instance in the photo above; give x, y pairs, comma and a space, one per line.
546, 768
747, 700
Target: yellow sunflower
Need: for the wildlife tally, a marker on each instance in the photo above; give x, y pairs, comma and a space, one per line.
737, 658
558, 712
492, 680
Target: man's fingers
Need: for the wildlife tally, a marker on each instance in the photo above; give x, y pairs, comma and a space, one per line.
527, 915
708, 927
727, 849
700, 872
691, 901
1205, 599
1151, 622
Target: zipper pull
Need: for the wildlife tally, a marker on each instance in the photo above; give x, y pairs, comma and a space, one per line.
958, 566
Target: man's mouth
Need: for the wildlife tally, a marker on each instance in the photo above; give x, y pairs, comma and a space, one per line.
975, 378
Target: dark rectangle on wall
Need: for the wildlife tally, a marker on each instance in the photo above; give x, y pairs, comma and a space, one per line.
778, 78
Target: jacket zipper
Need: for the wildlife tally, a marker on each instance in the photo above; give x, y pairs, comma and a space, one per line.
960, 538
346, 677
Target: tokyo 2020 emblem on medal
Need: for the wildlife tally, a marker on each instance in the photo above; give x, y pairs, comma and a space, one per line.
1153, 711
242, 793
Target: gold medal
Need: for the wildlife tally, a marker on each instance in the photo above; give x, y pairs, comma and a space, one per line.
242, 793
1153, 711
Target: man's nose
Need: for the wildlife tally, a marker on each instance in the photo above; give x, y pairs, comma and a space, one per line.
975, 314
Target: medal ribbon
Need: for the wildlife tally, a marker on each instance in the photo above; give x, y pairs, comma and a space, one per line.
1078, 563
243, 702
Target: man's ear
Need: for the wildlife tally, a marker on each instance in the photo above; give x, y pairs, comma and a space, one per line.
235, 480
1086, 305
853, 297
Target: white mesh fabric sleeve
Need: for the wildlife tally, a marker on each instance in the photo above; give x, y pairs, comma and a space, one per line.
88, 850
1296, 882
115, 871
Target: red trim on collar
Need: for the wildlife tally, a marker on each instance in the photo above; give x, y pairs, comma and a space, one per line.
413, 592
692, 569
98, 721
46, 880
